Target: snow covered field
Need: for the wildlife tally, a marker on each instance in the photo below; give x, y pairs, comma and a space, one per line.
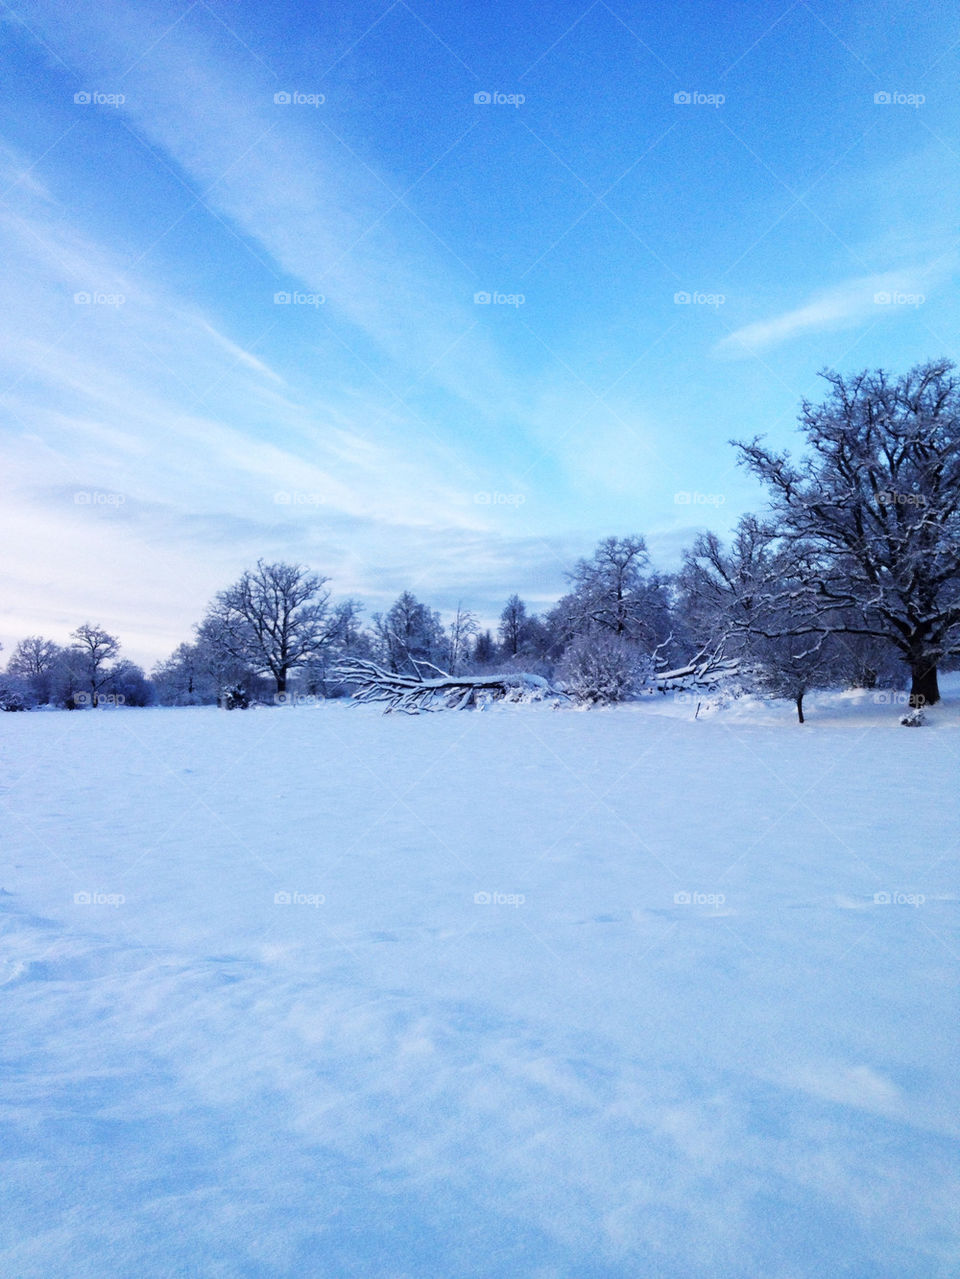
313, 992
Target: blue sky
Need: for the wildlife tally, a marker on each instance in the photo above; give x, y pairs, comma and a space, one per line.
383, 425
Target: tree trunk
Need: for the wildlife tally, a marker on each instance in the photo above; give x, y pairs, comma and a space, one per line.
281, 679
800, 707
924, 689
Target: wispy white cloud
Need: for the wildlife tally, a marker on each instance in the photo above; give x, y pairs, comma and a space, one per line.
311, 207
135, 451
843, 306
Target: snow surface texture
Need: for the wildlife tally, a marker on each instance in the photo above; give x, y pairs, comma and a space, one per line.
314, 992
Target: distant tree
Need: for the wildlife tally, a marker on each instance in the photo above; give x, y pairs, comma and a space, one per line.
345, 639
217, 662
273, 619
92, 649
612, 593
514, 627
182, 680
875, 510
410, 636
13, 692
129, 685
485, 652
33, 662
461, 631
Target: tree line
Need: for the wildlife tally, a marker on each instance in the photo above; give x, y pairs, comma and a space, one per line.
850, 574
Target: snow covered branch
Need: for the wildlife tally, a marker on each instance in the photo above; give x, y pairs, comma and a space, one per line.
408, 693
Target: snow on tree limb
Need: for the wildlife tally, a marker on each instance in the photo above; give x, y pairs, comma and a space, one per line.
412, 694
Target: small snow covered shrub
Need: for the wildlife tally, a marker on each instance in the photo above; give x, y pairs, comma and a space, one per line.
235, 698
11, 699
916, 719
601, 670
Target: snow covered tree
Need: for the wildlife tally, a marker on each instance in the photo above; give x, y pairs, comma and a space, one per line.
273, 619
13, 691
92, 649
485, 649
344, 639
750, 604
461, 631
409, 636
613, 594
601, 669
129, 685
875, 510
33, 662
513, 626
217, 663
182, 680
